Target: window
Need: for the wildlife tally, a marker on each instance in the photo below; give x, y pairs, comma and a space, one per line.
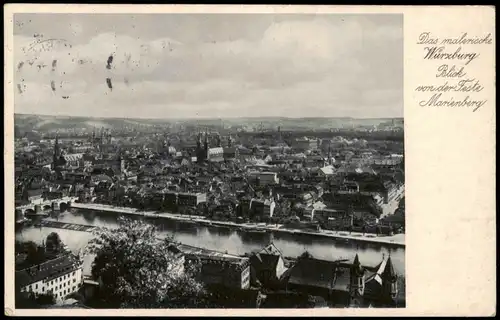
74, 280
74, 272
36, 286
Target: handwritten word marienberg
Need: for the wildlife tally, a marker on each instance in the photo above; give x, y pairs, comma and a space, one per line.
436, 101
439, 54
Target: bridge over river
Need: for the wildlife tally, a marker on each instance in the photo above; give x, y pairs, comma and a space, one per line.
42, 208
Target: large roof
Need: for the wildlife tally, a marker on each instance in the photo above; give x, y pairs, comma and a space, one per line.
270, 249
328, 170
313, 272
385, 270
101, 177
214, 151
47, 270
342, 279
73, 156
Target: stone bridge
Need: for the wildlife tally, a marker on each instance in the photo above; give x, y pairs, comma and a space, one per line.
61, 204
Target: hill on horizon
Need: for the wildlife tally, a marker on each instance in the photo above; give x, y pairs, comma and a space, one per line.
50, 122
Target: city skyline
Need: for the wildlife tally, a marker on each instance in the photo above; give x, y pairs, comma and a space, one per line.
210, 65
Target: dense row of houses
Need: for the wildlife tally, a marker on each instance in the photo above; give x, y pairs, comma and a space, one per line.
330, 183
339, 283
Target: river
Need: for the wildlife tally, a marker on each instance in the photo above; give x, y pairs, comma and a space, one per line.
221, 239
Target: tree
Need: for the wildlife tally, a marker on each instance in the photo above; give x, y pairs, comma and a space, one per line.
138, 270
46, 299
25, 300
53, 244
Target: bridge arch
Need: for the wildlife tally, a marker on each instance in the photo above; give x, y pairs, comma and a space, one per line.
47, 207
29, 211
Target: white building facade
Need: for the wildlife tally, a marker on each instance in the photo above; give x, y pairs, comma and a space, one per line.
61, 277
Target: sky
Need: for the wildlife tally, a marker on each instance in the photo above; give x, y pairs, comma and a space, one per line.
209, 65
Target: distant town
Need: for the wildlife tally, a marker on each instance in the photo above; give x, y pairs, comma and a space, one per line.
336, 180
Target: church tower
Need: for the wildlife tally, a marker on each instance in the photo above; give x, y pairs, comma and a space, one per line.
198, 142
123, 165
109, 137
219, 142
199, 149
205, 147
57, 154
93, 137
389, 282
357, 282
330, 158
168, 145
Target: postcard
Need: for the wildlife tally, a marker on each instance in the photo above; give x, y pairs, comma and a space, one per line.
249, 160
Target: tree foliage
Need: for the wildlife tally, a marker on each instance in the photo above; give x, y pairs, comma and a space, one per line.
306, 255
34, 254
28, 300
138, 270
53, 243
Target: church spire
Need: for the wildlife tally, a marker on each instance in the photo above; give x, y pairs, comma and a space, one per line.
357, 281
205, 147
57, 153
198, 141
388, 272
356, 265
389, 280
219, 143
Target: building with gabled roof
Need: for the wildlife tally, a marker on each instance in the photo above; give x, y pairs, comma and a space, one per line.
342, 283
267, 267
221, 269
381, 285
60, 276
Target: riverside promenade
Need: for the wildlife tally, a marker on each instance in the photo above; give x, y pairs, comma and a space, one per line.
397, 240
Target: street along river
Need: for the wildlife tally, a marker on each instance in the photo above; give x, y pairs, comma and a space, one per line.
222, 239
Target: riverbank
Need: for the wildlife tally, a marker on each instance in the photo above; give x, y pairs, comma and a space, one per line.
221, 239
397, 240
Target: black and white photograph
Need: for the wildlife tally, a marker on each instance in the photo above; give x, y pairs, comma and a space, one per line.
209, 160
